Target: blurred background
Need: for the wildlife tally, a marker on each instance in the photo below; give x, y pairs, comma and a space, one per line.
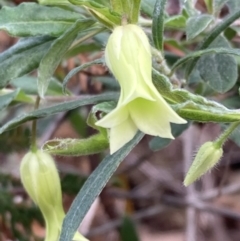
145, 199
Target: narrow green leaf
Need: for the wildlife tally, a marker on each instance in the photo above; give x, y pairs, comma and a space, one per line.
65, 106
6, 99
135, 11
77, 147
31, 19
119, 6
175, 22
197, 24
56, 52
78, 69
92, 188
213, 35
28, 84
147, 7
158, 24
128, 231
104, 15
22, 58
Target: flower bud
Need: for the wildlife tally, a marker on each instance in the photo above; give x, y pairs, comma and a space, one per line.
128, 56
207, 157
40, 178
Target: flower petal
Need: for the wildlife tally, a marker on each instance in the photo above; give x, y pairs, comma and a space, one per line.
114, 118
172, 116
121, 134
150, 117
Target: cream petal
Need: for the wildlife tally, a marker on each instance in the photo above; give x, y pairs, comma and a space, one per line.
141, 36
114, 43
114, 118
122, 134
150, 118
172, 116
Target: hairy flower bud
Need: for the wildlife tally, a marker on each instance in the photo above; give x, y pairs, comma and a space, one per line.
207, 157
41, 180
128, 56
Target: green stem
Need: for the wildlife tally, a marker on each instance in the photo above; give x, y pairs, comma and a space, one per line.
34, 128
224, 136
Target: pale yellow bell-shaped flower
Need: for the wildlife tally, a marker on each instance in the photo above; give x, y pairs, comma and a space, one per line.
41, 180
207, 157
128, 56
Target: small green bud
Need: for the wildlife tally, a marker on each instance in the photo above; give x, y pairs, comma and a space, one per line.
207, 157
40, 178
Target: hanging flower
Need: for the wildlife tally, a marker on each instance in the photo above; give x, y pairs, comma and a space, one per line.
128, 56
207, 157
41, 180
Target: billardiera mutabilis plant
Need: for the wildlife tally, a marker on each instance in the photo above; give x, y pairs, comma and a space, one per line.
140, 106
148, 100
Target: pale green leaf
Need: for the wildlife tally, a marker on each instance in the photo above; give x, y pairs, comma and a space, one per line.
92, 188
158, 24
147, 6
176, 22
56, 52
22, 58
219, 70
29, 85
213, 35
197, 24
6, 99
31, 19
